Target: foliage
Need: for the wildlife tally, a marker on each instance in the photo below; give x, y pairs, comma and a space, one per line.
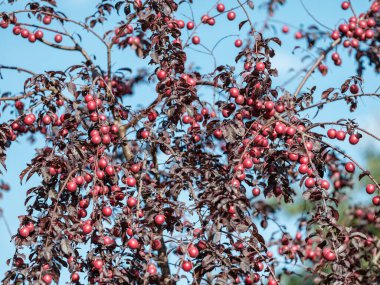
184, 188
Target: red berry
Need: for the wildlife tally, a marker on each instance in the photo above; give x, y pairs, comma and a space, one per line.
235, 183
204, 19
190, 25
256, 191
247, 163
231, 210
341, 135
335, 35
24, 33
218, 134
350, 167
58, 38
234, 92
285, 29
260, 66
87, 228
71, 186
159, 219
238, 43
220, 7
354, 89
29, 119
371, 23
135, 168
293, 156
106, 139
39, 34
46, 120
32, 38
187, 266
98, 264
131, 181
298, 35
151, 269
107, 211
345, 5
131, 202
83, 203
328, 254
133, 243
354, 139
4, 24
369, 34
181, 24
303, 169
370, 189
96, 139
91, 105
231, 15
335, 56
324, 184
196, 40
211, 21
240, 100
47, 278
75, 277
310, 182
46, 19
79, 180
161, 75
272, 282
24, 231
16, 30
193, 251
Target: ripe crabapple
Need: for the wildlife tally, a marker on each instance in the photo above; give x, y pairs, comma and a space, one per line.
350, 167
187, 266
159, 219
58, 38
220, 7
133, 243
231, 15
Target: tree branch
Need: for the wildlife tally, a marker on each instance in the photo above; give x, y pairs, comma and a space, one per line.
315, 65
19, 69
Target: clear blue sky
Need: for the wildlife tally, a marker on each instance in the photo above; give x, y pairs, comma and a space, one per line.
39, 58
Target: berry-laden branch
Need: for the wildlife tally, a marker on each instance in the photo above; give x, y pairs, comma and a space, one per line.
191, 186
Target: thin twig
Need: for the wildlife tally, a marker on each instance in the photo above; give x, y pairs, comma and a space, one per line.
20, 69
315, 65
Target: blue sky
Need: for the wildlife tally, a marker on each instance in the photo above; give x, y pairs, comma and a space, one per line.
39, 58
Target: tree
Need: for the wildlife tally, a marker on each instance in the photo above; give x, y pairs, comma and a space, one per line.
184, 188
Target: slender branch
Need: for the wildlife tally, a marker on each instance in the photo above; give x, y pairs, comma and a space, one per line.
312, 16
341, 124
26, 95
248, 18
43, 28
142, 113
57, 45
351, 159
298, 73
140, 182
338, 99
352, 9
6, 224
315, 65
209, 83
85, 26
19, 69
